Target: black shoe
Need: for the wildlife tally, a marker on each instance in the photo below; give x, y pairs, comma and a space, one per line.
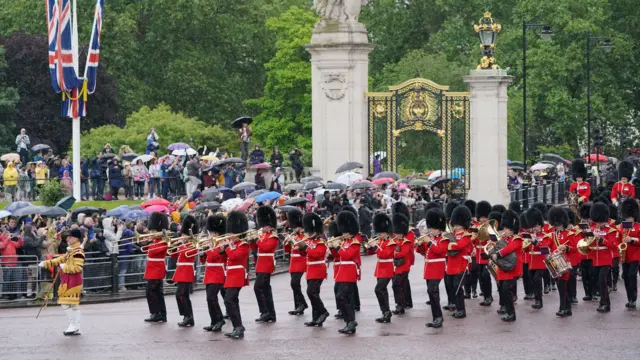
270, 318
428, 302
398, 311
349, 329
546, 289
217, 327
386, 318
300, 309
187, 322
226, 316
237, 333
627, 305
459, 314
321, 319
481, 293
467, 296
568, 313
154, 318
437, 323
486, 302
450, 307
587, 298
474, 294
529, 297
574, 300
508, 318
502, 310
614, 287
560, 313
208, 328
262, 317
310, 323
537, 305
553, 287
163, 317
71, 333
603, 308
293, 312
338, 315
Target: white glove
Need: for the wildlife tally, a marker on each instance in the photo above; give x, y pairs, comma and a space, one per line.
41, 264
61, 266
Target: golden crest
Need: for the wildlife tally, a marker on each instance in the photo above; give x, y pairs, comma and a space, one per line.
396, 133
380, 110
419, 126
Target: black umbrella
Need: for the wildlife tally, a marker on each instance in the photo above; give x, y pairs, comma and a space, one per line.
310, 178
348, 166
336, 186
129, 157
387, 174
234, 160
440, 182
244, 186
296, 201
312, 185
237, 123
287, 208
66, 203
362, 185
517, 168
107, 156
555, 158
29, 210
516, 163
54, 211
88, 210
293, 186
213, 205
257, 193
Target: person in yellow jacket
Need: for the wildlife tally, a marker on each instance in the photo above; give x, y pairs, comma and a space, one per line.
11, 180
70, 267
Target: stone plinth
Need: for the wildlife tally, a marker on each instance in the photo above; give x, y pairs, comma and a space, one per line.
339, 75
489, 135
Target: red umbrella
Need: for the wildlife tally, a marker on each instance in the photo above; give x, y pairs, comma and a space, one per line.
261, 166
245, 204
157, 208
156, 201
381, 181
596, 157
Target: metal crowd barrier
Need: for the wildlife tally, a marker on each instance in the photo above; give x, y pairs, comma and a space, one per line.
553, 193
19, 278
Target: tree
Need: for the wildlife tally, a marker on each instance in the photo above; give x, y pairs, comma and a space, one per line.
171, 128
285, 109
8, 100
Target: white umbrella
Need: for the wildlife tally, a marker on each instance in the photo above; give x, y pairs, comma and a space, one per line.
4, 214
435, 175
183, 152
383, 155
144, 158
349, 178
540, 167
231, 204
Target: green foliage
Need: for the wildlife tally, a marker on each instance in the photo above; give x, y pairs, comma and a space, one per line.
171, 127
9, 98
51, 192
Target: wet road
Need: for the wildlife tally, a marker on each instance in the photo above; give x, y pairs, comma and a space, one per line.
116, 331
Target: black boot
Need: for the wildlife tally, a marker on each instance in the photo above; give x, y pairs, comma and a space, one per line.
386, 317
428, 302
450, 307
603, 308
237, 333
487, 301
187, 322
217, 327
502, 310
474, 294
262, 317
587, 298
349, 329
270, 318
459, 314
154, 318
508, 318
437, 323
163, 317
537, 305
574, 300
560, 313
321, 319
398, 311
208, 328
338, 315
529, 297
614, 287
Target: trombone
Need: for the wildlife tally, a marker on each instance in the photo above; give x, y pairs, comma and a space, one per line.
141, 237
175, 243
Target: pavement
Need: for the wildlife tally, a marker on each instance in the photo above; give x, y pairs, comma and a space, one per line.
117, 330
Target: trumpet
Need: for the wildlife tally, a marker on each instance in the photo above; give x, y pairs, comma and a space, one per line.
205, 244
335, 241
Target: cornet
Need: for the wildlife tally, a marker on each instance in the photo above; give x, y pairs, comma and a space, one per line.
335, 241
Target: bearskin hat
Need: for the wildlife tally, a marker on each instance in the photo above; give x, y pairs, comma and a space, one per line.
237, 223
350, 209
348, 223
432, 205
585, 211
578, 169
436, 219
571, 216
158, 221
461, 216
189, 226
294, 217
266, 216
515, 206
382, 223
625, 170
602, 199
471, 205
613, 212
333, 229
400, 208
542, 208
483, 209
495, 216
173, 227
400, 224
217, 224
448, 210
523, 221
558, 217
599, 213
312, 223
629, 208
499, 208
511, 221
534, 217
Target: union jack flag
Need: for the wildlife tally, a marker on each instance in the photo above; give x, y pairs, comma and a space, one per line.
91, 71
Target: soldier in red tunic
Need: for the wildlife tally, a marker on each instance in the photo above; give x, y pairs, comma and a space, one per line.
580, 186
347, 275
538, 250
266, 264
623, 189
601, 251
549, 283
237, 252
314, 250
334, 232
401, 260
297, 262
614, 274
155, 271
483, 210
471, 280
184, 275
630, 231
459, 256
451, 301
588, 272
401, 208
510, 225
574, 257
384, 272
562, 241
434, 250
214, 272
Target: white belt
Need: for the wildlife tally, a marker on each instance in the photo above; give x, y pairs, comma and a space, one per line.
535, 253
347, 263
385, 260
292, 255
434, 260
184, 264
479, 247
599, 248
315, 262
215, 264
155, 259
337, 263
468, 258
265, 254
232, 267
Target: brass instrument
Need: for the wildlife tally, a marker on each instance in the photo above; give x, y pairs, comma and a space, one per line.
584, 245
622, 249
335, 241
175, 244
140, 237
485, 231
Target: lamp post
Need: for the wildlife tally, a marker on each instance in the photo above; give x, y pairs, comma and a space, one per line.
546, 35
487, 30
606, 45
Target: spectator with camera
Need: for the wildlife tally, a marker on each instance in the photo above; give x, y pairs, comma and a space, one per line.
32, 244
10, 245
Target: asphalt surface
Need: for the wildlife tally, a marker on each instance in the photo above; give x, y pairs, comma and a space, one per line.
117, 330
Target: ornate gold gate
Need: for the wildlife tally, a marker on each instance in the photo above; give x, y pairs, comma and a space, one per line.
420, 126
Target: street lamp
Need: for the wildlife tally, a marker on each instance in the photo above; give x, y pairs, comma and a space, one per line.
545, 35
606, 45
487, 30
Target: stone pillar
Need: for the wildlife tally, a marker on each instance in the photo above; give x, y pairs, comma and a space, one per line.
340, 69
488, 103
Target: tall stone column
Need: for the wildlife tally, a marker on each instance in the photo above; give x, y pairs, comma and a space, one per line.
488, 102
340, 68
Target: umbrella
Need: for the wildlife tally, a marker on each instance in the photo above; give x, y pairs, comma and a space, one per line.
134, 215
237, 123
555, 158
243, 186
435, 175
312, 185
10, 157
271, 195
262, 166
540, 166
384, 180
28, 210
88, 210
287, 208
129, 157
156, 201
40, 147
348, 178
209, 158
54, 211
403, 186
419, 182
210, 190
66, 202
107, 156
336, 186
144, 158
178, 146
516, 163
595, 157
157, 208
348, 166
234, 160
213, 205
17, 205
246, 204
387, 174
184, 152
296, 201
4, 214
135, 207
231, 204
383, 155
293, 186
310, 178
516, 168
257, 192
440, 182
119, 211
362, 185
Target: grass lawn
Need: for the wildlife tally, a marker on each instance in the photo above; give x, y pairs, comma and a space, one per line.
100, 204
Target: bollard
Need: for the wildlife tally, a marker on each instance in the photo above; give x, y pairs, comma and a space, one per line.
115, 273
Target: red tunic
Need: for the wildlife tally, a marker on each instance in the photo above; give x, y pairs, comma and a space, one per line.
336, 262
435, 257
479, 246
358, 260
266, 246
404, 252
214, 262
155, 260
536, 259
349, 253
315, 253
633, 248
237, 258
456, 264
617, 239
185, 265
583, 189
622, 190
411, 236
563, 238
601, 254
574, 255
297, 262
514, 244
384, 266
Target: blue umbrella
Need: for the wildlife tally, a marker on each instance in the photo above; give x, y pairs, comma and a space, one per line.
66, 203
134, 215
272, 195
17, 205
119, 211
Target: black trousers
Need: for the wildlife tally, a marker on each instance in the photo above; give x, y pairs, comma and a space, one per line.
408, 299
215, 313
587, 270
382, 294
546, 278
457, 293
572, 285
433, 290
485, 281
630, 278
398, 285
507, 289
615, 272
563, 292
603, 283
155, 296
527, 281
344, 295
448, 283
183, 299
313, 292
537, 276
471, 281
264, 296
298, 297
335, 291
232, 305
355, 297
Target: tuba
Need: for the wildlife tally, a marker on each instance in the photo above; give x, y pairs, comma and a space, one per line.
584, 245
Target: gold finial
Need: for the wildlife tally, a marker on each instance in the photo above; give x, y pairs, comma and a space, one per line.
487, 14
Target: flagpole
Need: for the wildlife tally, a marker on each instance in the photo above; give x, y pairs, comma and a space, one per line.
75, 128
